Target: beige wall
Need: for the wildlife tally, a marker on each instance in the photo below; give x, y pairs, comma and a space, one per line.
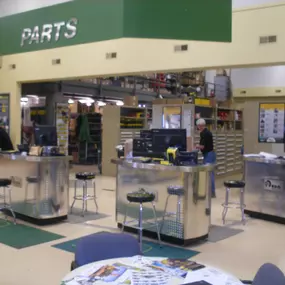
141, 55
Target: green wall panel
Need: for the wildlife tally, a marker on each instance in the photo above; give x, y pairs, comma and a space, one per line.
100, 20
200, 20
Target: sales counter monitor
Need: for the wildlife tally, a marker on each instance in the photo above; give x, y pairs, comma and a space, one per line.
45, 135
171, 117
162, 139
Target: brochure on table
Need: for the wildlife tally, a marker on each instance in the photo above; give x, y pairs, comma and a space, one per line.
151, 272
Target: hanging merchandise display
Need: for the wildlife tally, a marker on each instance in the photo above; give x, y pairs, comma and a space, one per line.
62, 123
4, 112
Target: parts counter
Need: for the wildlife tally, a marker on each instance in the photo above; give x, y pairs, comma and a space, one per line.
194, 221
264, 188
47, 199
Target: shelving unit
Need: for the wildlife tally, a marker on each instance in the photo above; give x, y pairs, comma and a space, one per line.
227, 128
119, 125
89, 152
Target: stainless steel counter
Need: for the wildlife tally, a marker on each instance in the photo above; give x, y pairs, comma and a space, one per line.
44, 199
194, 221
265, 192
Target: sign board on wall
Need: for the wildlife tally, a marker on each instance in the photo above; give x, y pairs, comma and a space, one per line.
271, 123
49, 32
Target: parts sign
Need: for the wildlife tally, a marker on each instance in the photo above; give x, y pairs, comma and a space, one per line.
49, 32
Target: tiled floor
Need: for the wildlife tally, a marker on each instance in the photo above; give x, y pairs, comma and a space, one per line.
241, 254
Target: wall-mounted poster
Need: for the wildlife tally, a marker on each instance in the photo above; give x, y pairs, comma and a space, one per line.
271, 123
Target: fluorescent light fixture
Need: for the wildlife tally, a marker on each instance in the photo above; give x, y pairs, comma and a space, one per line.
119, 103
88, 104
90, 100
24, 99
86, 100
100, 103
33, 96
70, 101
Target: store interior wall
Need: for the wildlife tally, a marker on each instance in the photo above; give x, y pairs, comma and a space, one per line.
90, 64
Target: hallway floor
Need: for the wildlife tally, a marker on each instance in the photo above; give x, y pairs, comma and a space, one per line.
242, 254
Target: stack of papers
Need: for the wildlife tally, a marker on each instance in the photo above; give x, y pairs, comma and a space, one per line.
209, 276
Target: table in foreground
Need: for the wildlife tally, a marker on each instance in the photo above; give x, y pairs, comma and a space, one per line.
264, 188
192, 222
46, 198
80, 276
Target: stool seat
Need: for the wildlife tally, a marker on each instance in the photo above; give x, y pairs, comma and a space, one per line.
175, 190
140, 197
4, 182
32, 179
234, 184
85, 176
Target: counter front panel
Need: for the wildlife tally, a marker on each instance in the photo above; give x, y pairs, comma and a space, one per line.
265, 182
39, 185
191, 223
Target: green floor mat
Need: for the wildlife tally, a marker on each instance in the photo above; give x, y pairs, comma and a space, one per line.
22, 236
149, 249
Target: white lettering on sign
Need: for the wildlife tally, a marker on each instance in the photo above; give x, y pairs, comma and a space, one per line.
49, 32
273, 185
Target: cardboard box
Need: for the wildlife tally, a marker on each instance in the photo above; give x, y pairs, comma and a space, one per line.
73, 107
226, 104
178, 101
131, 101
159, 102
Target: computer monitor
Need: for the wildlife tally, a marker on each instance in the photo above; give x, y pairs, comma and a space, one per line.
162, 139
146, 134
45, 135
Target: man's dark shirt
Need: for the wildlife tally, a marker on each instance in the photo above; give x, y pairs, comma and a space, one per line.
5, 141
206, 140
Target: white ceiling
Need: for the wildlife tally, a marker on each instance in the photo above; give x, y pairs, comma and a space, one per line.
248, 3
9, 7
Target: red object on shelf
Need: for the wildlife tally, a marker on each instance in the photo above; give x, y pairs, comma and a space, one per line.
159, 82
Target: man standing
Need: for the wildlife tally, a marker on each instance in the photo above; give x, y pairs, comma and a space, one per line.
206, 146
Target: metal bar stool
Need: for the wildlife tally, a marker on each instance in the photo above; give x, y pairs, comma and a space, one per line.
172, 191
85, 177
6, 205
238, 205
140, 197
30, 180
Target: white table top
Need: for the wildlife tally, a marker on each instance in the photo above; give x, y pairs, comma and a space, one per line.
209, 274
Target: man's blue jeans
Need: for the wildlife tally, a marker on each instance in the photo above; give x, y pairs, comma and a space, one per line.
210, 157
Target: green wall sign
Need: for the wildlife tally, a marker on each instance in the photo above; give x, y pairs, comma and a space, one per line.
49, 32
87, 21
